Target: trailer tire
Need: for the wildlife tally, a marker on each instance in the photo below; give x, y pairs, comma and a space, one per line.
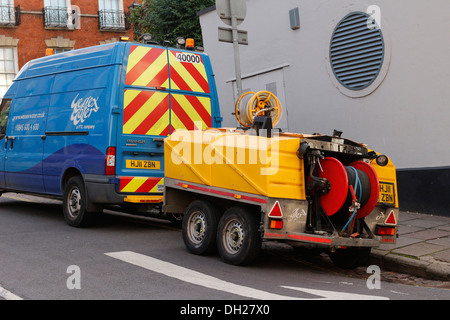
199, 227
350, 258
75, 203
238, 238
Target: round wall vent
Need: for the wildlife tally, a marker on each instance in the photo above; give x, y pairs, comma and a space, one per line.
357, 51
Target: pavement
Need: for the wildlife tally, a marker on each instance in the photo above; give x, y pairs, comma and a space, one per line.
422, 248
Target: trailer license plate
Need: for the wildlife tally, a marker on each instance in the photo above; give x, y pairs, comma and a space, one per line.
143, 164
387, 194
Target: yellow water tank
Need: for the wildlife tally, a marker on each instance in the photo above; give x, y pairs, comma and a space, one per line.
236, 160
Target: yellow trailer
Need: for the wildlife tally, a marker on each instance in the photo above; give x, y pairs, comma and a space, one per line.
238, 187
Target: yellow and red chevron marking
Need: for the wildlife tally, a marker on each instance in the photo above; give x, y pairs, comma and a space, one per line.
190, 112
141, 184
147, 67
187, 76
146, 113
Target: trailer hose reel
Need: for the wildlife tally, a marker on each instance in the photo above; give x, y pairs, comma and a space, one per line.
360, 176
251, 104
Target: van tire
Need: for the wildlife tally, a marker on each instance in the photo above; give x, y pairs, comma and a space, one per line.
75, 203
199, 227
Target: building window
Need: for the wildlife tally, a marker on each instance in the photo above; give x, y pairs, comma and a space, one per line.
357, 51
56, 14
60, 50
111, 15
8, 14
60, 44
8, 68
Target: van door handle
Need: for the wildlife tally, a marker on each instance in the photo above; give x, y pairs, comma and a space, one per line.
7, 138
11, 145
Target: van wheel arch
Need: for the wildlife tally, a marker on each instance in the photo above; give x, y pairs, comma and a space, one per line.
69, 173
74, 190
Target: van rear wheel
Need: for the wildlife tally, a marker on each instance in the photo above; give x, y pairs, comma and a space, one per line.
75, 203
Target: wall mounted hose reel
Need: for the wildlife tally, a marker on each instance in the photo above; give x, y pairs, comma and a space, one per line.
253, 110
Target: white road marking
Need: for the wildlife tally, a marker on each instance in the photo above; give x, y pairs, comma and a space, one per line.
8, 295
334, 295
194, 277
200, 279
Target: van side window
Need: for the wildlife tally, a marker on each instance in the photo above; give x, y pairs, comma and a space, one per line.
4, 112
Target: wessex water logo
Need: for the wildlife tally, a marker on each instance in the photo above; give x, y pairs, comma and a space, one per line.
83, 108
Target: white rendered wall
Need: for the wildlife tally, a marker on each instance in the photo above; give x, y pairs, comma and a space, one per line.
406, 117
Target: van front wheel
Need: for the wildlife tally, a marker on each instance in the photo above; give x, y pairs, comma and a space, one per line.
74, 203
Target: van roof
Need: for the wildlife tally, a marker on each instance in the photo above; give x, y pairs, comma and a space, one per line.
90, 57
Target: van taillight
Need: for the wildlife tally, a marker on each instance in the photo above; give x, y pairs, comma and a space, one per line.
110, 161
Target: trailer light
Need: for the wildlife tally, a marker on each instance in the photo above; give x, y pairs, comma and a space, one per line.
385, 231
382, 160
276, 224
110, 161
49, 52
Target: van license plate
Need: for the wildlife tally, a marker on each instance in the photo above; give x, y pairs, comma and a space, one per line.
143, 164
387, 194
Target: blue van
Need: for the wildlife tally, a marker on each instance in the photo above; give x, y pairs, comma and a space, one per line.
87, 126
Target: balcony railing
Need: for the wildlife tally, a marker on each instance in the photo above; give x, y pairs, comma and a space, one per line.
9, 15
112, 20
55, 17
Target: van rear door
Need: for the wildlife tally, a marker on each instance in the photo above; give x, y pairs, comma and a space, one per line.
145, 120
164, 90
190, 103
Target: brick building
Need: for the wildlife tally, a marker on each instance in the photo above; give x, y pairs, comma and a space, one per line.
29, 27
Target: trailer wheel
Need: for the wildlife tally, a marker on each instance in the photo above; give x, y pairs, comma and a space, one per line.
74, 203
199, 227
238, 238
350, 258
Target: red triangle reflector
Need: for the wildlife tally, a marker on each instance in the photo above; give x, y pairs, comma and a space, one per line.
391, 218
275, 212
